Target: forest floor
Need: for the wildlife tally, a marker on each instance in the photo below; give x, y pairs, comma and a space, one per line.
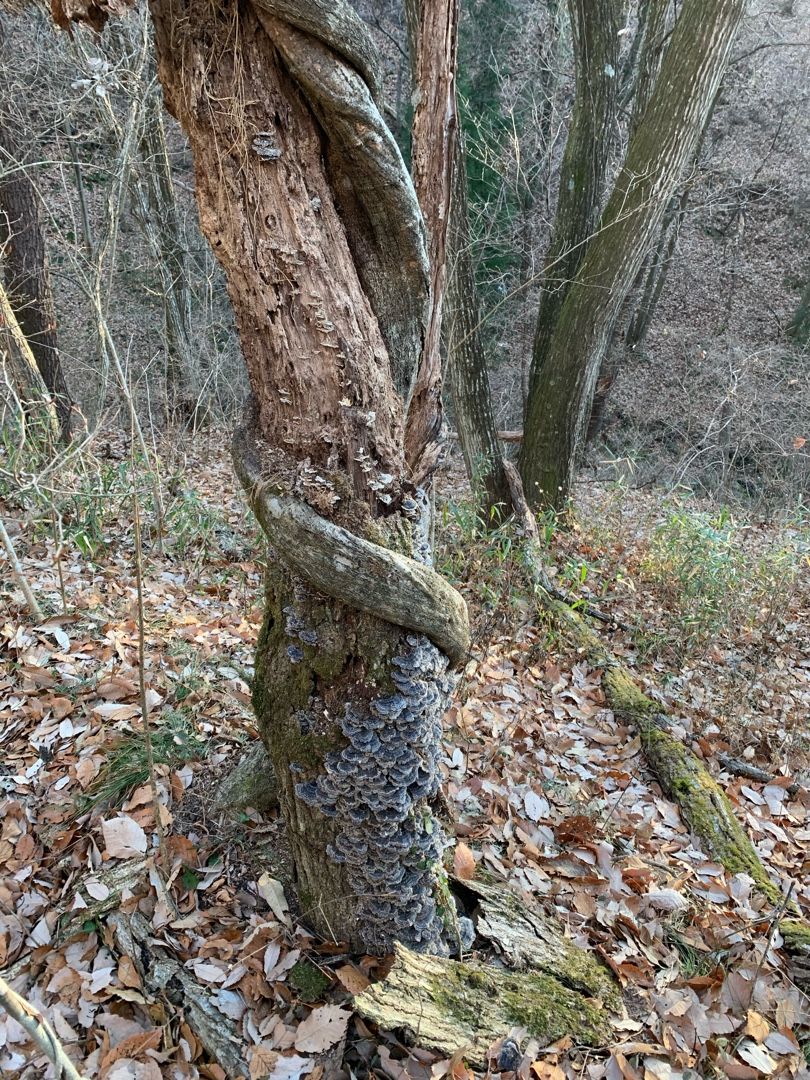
549, 792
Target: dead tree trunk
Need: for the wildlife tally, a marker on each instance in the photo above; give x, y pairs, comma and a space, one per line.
434, 41
27, 281
307, 204
565, 374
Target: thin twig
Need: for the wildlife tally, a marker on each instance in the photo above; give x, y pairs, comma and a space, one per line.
32, 1020
19, 576
147, 733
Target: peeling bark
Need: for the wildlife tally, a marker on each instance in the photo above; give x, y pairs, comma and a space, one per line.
310, 210
434, 135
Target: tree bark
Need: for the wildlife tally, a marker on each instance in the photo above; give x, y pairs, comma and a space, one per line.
434, 133
21, 373
467, 374
564, 377
594, 32
26, 275
307, 204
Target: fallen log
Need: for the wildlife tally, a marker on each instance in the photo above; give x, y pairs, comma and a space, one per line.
685, 779
449, 1006
682, 775
528, 940
552, 987
164, 977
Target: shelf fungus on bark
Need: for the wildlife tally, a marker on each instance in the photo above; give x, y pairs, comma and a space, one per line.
378, 788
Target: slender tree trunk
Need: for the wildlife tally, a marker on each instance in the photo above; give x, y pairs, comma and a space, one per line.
799, 327
26, 275
649, 49
160, 218
434, 41
665, 142
587, 151
467, 374
21, 373
307, 204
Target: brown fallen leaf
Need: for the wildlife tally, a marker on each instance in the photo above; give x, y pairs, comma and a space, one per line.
352, 979
322, 1029
131, 1047
757, 1026
463, 862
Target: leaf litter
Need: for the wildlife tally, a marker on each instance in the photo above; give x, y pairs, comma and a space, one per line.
548, 790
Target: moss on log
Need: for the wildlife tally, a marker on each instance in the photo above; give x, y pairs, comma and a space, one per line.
682, 775
448, 1006
530, 941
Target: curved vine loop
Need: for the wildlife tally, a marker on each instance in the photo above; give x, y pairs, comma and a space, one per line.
361, 574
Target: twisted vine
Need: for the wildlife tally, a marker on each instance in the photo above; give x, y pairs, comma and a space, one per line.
371, 184
347, 567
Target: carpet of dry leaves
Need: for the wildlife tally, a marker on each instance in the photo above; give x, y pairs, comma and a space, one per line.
549, 792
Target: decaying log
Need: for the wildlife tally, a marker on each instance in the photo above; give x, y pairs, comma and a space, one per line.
448, 1006
164, 977
120, 880
530, 941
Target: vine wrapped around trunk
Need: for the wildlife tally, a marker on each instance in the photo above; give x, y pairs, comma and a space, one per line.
311, 212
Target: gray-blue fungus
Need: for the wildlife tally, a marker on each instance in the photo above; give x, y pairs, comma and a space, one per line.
376, 788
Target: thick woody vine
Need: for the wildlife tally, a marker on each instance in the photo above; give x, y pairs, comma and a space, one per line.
308, 205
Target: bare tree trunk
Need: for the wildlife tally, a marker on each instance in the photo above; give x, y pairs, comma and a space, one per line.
582, 178
308, 206
467, 375
564, 377
21, 373
26, 274
160, 219
435, 124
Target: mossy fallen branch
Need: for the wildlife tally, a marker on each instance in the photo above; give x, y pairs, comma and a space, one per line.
449, 1006
683, 776
528, 940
